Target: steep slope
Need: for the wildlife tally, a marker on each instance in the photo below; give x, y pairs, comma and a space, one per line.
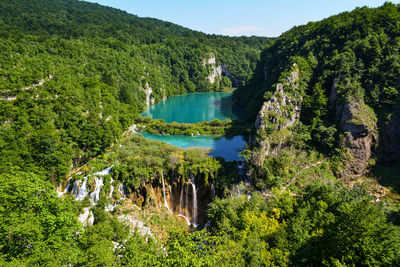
332, 87
73, 75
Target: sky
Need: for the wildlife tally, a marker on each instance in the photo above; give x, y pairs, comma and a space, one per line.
239, 17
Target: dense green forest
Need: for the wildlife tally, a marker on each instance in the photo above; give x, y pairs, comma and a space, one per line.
324, 98
343, 74
74, 75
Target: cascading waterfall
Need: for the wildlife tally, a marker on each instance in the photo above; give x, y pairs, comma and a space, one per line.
66, 188
165, 198
111, 188
80, 190
186, 218
183, 205
121, 190
187, 201
181, 200
82, 193
95, 195
194, 213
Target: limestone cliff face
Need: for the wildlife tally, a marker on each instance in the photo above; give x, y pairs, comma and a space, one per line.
282, 110
149, 97
188, 200
184, 198
358, 122
216, 72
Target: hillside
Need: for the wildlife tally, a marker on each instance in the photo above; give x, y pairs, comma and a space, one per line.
73, 75
332, 87
79, 187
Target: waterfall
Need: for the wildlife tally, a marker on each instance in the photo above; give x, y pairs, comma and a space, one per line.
187, 201
104, 172
111, 188
80, 190
86, 217
165, 198
194, 213
183, 205
95, 195
121, 190
66, 188
181, 200
82, 193
186, 218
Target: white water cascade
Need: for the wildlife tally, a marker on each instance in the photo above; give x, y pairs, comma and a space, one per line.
165, 198
86, 217
122, 190
181, 201
80, 190
194, 213
66, 188
95, 195
183, 205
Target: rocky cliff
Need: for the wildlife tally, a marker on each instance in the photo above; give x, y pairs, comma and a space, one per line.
358, 122
282, 110
185, 199
216, 72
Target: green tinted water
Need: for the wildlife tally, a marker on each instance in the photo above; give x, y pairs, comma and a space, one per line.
196, 107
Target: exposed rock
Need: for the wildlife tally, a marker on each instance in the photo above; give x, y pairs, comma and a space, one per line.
358, 122
86, 218
215, 73
149, 98
282, 110
135, 225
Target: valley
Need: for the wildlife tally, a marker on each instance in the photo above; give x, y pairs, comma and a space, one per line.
138, 142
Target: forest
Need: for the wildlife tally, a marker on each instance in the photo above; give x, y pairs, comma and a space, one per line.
318, 183
74, 76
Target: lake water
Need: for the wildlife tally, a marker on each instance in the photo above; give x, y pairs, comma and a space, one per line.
197, 107
226, 147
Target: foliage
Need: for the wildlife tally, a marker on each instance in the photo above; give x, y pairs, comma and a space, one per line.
73, 77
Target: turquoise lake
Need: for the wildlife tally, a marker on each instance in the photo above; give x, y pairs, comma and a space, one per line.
197, 107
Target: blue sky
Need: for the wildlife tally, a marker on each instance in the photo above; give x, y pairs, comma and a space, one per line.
239, 17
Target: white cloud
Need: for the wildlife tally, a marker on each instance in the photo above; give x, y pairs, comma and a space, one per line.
242, 30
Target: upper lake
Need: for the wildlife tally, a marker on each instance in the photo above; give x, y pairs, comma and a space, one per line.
197, 107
